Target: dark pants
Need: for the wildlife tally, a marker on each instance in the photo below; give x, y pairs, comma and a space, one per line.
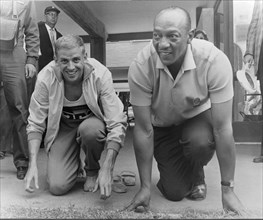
181, 152
64, 158
16, 89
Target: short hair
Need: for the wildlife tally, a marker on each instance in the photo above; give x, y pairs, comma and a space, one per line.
69, 42
201, 32
176, 8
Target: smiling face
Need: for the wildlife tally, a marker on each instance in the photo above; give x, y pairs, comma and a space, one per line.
171, 36
71, 64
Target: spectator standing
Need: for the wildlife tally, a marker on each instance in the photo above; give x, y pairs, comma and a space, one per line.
48, 35
200, 34
254, 52
18, 69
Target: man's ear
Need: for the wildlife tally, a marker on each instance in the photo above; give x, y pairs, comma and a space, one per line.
55, 58
190, 36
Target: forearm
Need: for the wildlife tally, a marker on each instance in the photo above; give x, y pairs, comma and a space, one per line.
143, 145
33, 147
226, 153
110, 159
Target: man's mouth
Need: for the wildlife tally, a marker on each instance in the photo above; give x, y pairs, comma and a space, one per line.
72, 73
165, 52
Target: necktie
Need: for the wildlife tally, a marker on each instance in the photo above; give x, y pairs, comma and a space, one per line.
52, 38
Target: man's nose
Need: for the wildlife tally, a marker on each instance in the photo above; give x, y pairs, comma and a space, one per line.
164, 42
70, 65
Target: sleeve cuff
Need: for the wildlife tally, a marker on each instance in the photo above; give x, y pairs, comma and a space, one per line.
32, 60
34, 135
114, 146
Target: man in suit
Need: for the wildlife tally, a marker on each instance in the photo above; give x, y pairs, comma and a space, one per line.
48, 34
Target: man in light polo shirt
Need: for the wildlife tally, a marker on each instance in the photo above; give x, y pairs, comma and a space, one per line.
181, 92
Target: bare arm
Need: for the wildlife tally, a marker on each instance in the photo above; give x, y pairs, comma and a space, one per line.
225, 145
143, 146
32, 173
226, 152
105, 176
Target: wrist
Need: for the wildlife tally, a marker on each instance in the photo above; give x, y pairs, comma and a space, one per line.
229, 183
110, 159
32, 163
146, 187
227, 186
227, 189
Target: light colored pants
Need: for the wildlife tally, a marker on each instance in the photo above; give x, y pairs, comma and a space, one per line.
17, 90
64, 158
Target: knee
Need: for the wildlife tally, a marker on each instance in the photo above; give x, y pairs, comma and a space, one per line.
58, 189
199, 148
92, 132
172, 193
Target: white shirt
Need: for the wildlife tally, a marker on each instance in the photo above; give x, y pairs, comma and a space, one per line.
49, 29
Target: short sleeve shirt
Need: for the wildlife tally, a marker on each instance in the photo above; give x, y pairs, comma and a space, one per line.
204, 78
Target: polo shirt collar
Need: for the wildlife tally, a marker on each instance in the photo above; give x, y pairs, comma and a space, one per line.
188, 63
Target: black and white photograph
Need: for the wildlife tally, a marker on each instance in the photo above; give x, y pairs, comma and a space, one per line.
131, 109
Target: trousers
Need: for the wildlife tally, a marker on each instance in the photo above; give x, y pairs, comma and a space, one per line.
63, 157
260, 78
17, 94
6, 125
181, 152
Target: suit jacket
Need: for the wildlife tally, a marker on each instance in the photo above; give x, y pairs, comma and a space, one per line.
46, 49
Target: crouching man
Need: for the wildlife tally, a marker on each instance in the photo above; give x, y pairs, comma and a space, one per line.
75, 103
181, 93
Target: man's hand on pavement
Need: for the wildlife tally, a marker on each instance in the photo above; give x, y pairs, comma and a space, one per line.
142, 198
32, 173
231, 202
104, 182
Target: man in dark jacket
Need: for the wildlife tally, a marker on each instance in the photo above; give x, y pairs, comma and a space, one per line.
48, 34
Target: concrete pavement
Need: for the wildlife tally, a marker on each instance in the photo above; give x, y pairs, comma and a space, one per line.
248, 185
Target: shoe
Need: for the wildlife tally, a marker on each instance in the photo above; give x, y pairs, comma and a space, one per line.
2, 155
118, 186
258, 159
21, 172
128, 178
197, 193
